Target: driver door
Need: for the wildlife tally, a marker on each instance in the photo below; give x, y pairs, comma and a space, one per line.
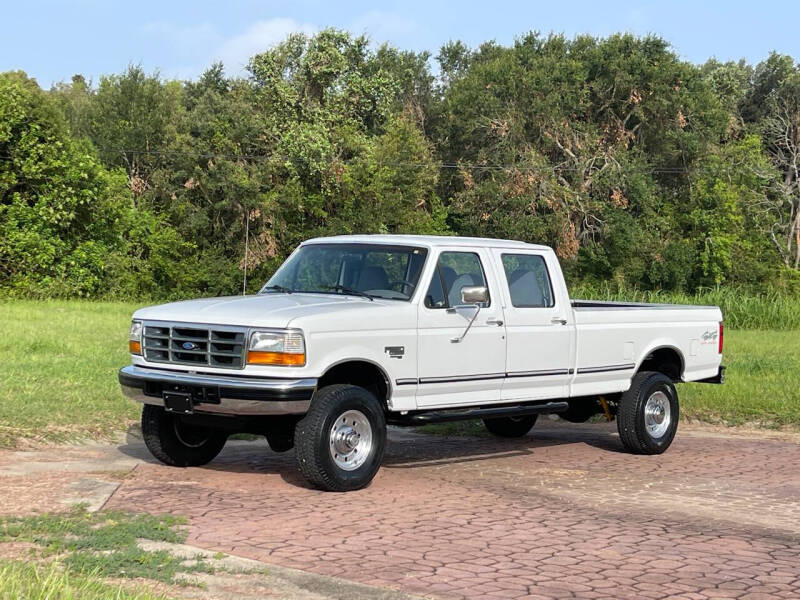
471, 370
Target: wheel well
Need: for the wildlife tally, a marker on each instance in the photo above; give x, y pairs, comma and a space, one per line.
361, 373
664, 360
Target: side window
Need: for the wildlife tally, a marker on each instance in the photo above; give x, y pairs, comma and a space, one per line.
454, 271
528, 281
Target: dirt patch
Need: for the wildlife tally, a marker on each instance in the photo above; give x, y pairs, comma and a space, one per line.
16, 550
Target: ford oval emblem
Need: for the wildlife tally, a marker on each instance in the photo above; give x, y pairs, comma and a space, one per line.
189, 346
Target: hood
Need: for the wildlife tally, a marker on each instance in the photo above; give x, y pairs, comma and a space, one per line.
265, 310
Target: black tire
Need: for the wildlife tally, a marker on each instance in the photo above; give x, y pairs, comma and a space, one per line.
632, 418
510, 427
315, 444
177, 444
580, 410
280, 441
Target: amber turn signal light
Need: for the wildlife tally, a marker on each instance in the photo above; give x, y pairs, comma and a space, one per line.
135, 347
275, 358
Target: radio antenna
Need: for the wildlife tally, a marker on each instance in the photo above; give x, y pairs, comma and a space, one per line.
246, 243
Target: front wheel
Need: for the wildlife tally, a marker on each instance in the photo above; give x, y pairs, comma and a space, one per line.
510, 427
280, 441
176, 443
647, 417
340, 441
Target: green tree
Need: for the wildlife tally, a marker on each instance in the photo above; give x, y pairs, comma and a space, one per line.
562, 141
773, 105
132, 119
68, 226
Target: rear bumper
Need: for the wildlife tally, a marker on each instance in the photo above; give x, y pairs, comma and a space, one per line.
718, 378
220, 394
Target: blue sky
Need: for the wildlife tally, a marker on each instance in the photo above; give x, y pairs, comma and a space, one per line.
53, 40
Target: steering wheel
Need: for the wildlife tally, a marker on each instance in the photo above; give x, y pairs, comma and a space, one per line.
405, 284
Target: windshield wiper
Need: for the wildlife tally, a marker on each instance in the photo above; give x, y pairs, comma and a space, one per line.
277, 288
351, 291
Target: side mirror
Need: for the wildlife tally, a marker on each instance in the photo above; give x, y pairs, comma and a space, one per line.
476, 294
471, 296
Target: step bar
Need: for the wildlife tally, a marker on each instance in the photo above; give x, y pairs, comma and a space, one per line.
444, 416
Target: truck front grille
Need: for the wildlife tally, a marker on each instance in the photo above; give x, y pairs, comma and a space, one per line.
189, 344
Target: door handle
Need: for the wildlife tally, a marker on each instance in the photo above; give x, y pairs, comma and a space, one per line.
498, 322
558, 321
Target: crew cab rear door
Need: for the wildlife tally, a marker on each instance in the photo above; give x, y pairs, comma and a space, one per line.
457, 366
538, 323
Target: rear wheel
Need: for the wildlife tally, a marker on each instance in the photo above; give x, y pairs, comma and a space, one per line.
177, 443
510, 427
340, 442
580, 410
647, 418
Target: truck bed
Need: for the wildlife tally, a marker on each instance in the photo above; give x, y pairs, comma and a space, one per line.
606, 304
612, 334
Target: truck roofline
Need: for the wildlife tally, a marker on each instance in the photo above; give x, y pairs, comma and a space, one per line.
428, 241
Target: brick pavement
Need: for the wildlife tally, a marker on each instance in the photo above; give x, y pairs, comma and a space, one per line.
563, 513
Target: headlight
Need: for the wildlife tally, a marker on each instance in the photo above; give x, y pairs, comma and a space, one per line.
277, 347
135, 338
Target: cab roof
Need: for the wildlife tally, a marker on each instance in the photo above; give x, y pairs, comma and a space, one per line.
429, 241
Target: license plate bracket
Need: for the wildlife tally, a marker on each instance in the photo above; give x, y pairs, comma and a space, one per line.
178, 402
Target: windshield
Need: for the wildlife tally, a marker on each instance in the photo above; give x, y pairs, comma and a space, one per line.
372, 270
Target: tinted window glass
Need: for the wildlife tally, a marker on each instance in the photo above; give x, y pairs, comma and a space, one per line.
434, 298
454, 271
528, 281
382, 271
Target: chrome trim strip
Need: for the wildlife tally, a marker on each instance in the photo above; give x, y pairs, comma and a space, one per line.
229, 406
133, 379
514, 374
462, 378
261, 383
543, 373
587, 370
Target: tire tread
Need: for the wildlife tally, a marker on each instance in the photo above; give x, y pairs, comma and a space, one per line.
631, 432
170, 451
308, 446
508, 428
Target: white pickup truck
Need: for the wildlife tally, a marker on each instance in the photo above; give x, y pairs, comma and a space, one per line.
354, 332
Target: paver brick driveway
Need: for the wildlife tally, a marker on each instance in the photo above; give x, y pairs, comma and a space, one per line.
562, 513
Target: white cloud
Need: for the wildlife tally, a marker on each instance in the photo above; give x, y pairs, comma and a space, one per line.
196, 46
186, 40
260, 36
381, 26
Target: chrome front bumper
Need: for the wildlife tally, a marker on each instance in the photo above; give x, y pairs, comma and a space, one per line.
220, 394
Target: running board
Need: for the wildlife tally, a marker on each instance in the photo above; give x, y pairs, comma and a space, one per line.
443, 416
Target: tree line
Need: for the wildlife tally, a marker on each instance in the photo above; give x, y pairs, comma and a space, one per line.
640, 169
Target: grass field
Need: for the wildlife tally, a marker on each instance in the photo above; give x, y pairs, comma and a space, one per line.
23, 580
58, 378
58, 374
762, 385
81, 555
741, 310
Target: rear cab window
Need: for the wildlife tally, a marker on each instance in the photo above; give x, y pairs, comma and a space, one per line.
528, 281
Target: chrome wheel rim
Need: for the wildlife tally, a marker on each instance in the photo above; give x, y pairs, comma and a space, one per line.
350, 440
657, 414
